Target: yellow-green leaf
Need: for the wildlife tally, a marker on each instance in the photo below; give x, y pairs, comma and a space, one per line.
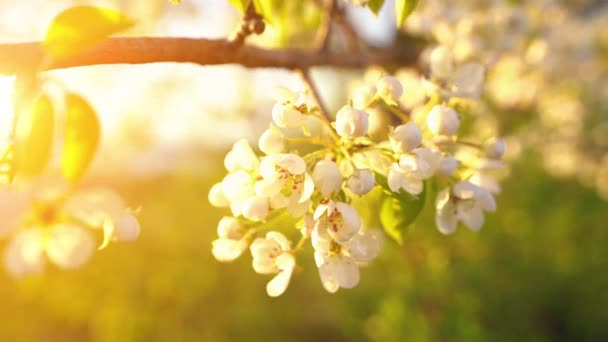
265, 8
375, 5
82, 133
399, 210
175, 1
241, 5
403, 9
82, 27
33, 135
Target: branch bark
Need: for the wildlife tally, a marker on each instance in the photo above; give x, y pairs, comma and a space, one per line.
21, 57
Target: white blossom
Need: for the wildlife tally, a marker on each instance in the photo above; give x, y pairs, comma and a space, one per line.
363, 96
230, 243
241, 157
340, 220
272, 141
351, 122
389, 89
337, 262
443, 120
441, 62
495, 148
465, 202
409, 173
272, 255
285, 183
327, 177
447, 166
217, 198
361, 181
405, 138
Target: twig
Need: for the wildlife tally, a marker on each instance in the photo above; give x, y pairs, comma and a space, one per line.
23, 57
325, 32
252, 23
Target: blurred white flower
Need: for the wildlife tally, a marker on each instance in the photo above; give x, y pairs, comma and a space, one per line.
272, 141
327, 177
405, 138
363, 96
50, 223
389, 89
465, 202
443, 120
410, 172
351, 122
272, 255
241, 157
361, 181
441, 62
495, 148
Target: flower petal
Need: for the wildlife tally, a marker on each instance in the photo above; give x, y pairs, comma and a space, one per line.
69, 246
279, 283
25, 253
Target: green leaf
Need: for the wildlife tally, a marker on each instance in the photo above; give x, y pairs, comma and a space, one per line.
399, 210
403, 8
82, 133
241, 5
175, 1
34, 135
82, 27
265, 8
375, 5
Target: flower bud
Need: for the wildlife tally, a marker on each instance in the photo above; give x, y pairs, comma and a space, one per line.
217, 197
443, 120
405, 138
286, 116
442, 63
327, 177
229, 228
363, 96
272, 141
389, 89
495, 149
447, 166
255, 208
127, 228
361, 181
351, 123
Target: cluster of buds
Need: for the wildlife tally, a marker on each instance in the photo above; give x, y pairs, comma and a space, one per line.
315, 196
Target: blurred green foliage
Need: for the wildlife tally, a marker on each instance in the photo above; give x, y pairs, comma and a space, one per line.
536, 271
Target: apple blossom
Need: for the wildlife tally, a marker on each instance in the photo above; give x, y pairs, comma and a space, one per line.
351, 122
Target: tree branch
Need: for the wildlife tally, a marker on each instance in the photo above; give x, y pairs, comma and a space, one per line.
20, 57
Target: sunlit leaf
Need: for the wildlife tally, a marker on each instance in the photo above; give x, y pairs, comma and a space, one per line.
375, 6
82, 27
399, 210
175, 1
33, 135
403, 8
241, 5
82, 134
266, 9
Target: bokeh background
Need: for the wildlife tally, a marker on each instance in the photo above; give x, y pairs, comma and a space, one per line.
537, 270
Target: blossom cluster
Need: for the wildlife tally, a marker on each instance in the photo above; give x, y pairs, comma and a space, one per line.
533, 49
316, 195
